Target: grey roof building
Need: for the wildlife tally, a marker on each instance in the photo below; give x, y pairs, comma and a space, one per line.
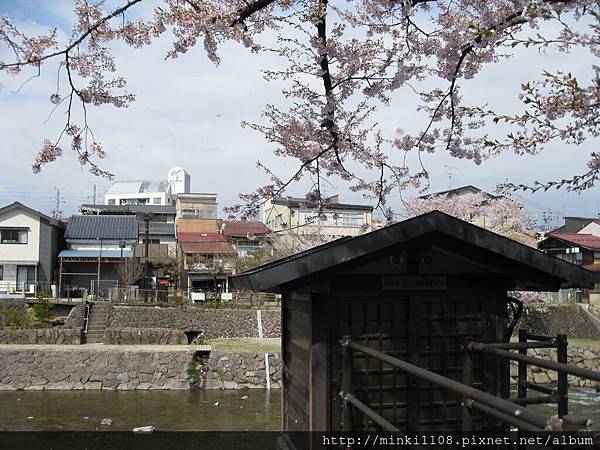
96, 246
102, 227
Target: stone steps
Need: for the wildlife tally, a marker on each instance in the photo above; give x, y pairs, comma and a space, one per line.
97, 323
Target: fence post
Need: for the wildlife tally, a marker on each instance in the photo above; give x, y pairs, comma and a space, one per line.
346, 383
563, 384
467, 379
522, 366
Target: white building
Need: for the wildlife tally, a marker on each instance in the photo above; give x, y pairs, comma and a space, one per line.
29, 244
145, 192
295, 215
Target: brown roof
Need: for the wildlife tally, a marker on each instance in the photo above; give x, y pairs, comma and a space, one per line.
200, 237
592, 267
243, 228
209, 248
197, 226
581, 240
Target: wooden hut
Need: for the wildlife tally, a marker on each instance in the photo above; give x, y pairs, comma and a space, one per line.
414, 290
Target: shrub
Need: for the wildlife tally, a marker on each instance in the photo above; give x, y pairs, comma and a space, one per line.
13, 318
42, 310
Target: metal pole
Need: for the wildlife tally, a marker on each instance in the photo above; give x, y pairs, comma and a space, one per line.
499, 404
563, 385
522, 367
347, 384
98, 275
146, 262
349, 398
571, 370
467, 379
60, 271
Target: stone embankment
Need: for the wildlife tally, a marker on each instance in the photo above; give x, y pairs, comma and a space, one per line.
552, 319
154, 324
586, 356
130, 368
135, 325
41, 336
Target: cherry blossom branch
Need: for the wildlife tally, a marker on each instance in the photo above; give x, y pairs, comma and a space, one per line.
88, 32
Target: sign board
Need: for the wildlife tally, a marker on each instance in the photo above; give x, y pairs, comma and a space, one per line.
226, 296
413, 283
198, 296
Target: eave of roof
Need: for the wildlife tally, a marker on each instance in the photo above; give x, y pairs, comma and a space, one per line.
50, 220
588, 241
271, 276
292, 202
208, 248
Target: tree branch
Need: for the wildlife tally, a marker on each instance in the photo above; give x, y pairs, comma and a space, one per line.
77, 41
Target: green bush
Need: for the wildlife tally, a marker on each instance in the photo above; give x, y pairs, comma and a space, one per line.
42, 310
193, 371
13, 318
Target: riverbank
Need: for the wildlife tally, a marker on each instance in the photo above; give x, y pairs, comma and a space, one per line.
135, 367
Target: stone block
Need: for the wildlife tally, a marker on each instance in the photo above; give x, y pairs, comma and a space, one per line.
230, 385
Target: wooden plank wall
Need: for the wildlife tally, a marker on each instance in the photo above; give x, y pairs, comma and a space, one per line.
296, 337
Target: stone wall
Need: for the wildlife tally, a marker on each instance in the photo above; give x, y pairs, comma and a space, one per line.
581, 355
214, 323
133, 336
76, 317
240, 371
550, 320
76, 368
56, 335
271, 322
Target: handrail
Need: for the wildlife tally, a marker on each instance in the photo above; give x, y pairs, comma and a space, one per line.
86, 318
495, 404
559, 367
369, 412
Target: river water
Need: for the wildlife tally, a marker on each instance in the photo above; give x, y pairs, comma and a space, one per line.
212, 410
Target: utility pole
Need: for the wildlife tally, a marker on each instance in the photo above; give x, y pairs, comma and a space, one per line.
147, 219
450, 173
94, 195
57, 213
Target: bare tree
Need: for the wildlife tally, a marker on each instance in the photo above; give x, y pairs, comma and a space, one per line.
130, 270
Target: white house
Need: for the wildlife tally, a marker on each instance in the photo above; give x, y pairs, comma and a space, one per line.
145, 192
29, 244
298, 216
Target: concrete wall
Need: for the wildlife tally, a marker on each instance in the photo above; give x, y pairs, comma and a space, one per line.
75, 368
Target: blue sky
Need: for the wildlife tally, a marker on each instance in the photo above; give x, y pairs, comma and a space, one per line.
188, 114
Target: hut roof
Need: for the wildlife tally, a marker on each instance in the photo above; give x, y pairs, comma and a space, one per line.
528, 268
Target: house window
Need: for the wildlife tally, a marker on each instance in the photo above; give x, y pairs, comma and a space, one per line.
1, 273
157, 200
111, 201
13, 236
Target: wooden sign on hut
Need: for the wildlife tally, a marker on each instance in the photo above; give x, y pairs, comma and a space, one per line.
414, 291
